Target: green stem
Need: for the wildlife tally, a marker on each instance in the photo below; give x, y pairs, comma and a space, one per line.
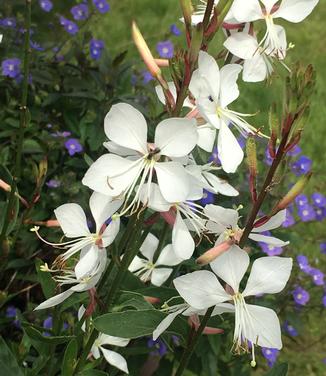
193, 342
24, 120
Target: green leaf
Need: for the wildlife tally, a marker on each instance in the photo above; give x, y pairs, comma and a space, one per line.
132, 300
31, 147
8, 362
37, 336
134, 324
69, 359
93, 372
278, 370
47, 283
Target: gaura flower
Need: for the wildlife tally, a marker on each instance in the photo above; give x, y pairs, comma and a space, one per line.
259, 325
148, 269
81, 281
112, 357
214, 90
73, 222
290, 10
133, 161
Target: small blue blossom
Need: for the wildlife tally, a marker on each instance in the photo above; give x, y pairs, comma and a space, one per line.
159, 347
11, 68
175, 30
95, 47
147, 77
301, 296
303, 263
270, 250
290, 329
322, 247
53, 183
68, 25
208, 198
73, 146
8, 22
324, 304
101, 5
46, 5
289, 219
295, 151
268, 159
301, 166
319, 200
270, 355
165, 49
80, 12
320, 213
301, 200
214, 157
36, 46
317, 276
307, 213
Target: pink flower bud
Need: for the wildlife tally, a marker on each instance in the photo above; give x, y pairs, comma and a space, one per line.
214, 252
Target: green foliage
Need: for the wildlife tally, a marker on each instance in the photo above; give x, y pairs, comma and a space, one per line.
8, 362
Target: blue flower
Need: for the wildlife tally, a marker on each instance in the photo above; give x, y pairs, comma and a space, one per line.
295, 151
53, 183
95, 47
289, 219
73, 146
159, 347
317, 276
319, 200
8, 22
79, 12
307, 213
290, 329
270, 355
208, 198
301, 200
147, 77
175, 30
165, 49
303, 263
69, 26
101, 5
301, 296
46, 5
11, 67
301, 166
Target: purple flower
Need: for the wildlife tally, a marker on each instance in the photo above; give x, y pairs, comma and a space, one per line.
322, 247
36, 46
11, 311
46, 5
317, 276
214, 157
242, 141
303, 263
8, 22
11, 67
165, 49
53, 183
290, 329
289, 219
270, 355
73, 146
95, 47
159, 346
270, 250
295, 151
79, 12
319, 200
307, 213
48, 324
268, 159
324, 300
208, 198
101, 5
301, 200
300, 296
147, 77
320, 214
69, 26
301, 166
175, 30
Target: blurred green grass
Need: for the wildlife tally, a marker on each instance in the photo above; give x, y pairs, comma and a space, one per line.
304, 353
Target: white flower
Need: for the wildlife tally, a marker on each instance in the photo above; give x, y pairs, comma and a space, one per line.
81, 282
258, 59
224, 222
112, 357
150, 270
214, 90
290, 10
115, 175
259, 325
73, 222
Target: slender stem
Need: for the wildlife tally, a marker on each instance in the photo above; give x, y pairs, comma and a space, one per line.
24, 120
163, 234
208, 12
192, 344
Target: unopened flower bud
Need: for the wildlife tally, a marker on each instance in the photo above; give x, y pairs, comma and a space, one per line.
213, 253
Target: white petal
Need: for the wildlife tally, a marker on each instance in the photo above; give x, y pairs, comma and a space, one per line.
168, 257
268, 275
295, 10
160, 275
165, 323
160, 94
95, 350
173, 181
201, 289
229, 150
246, 11
276, 242
220, 186
105, 339
114, 148
137, 264
231, 266
115, 359
80, 314
72, 220
229, 88
88, 261
206, 137
155, 200
102, 208
126, 126
208, 110
176, 137
195, 84
182, 240
149, 246
221, 218
255, 69
274, 222
55, 300
110, 233
262, 327
209, 71
111, 174
242, 45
